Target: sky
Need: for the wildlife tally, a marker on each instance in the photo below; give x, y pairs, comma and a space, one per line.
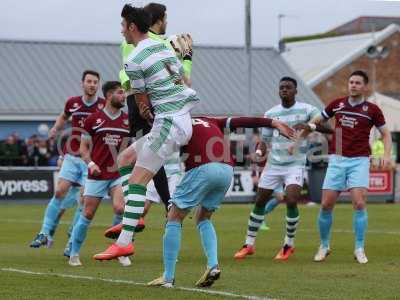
211, 22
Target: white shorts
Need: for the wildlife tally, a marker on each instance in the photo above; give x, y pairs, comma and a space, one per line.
167, 135
152, 194
272, 178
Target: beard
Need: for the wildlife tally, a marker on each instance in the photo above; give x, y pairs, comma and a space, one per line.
117, 104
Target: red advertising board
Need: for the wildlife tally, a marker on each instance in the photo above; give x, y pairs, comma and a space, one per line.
380, 182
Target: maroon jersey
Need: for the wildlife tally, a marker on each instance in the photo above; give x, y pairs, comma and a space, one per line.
353, 126
79, 111
207, 143
108, 134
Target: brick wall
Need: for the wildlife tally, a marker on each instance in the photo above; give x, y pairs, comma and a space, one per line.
387, 73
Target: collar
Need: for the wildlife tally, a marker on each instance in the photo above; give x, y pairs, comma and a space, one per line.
355, 103
89, 103
110, 115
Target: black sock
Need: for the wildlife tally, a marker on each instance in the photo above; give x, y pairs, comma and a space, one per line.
161, 184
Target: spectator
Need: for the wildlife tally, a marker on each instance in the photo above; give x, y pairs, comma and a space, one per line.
9, 151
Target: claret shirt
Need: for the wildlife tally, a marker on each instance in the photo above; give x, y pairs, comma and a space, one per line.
353, 126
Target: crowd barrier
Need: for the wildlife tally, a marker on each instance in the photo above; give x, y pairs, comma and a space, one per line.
38, 183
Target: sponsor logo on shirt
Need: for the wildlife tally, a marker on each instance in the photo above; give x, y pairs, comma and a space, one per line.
341, 106
125, 123
346, 121
75, 107
99, 123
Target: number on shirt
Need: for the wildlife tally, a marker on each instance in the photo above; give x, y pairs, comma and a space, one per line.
200, 122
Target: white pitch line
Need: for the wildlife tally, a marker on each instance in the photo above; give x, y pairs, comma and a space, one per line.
204, 291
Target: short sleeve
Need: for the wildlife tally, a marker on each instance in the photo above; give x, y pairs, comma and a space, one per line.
67, 107
312, 112
378, 118
136, 77
223, 123
329, 112
88, 128
267, 133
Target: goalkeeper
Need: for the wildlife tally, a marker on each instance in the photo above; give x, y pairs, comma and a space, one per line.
182, 44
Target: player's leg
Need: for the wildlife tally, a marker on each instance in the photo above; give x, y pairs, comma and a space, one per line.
118, 202
267, 183
358, 183
293, 191
278, 197
51, 213
82, 173
95, 190
70, 200
219, 179
161, 185
165, 138
360, 222
334, 183
78, 212
188, 194
134, 188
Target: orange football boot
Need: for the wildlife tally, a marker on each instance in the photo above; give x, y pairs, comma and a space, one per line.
113, 232
115, 251
284, 253
244, 251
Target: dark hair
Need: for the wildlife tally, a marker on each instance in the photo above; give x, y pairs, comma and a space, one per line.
156, 10
361, 74
90, 72
110, 86
137, 16
287, 78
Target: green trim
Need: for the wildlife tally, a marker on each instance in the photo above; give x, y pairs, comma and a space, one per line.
158, 66
173, 106
134, 203
128, 228
125, 170
164, 132
148, 51
137, 189
171, 92
130, 215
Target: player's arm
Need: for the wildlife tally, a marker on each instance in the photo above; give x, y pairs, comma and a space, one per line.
85, 149
144, 105
380, 123
387, 142
183, 46
249, 122
59, 124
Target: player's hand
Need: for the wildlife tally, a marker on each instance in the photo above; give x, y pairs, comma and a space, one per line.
302, 126
291, 148
60, 161
52, 132
183, 45
385, 163
145, 112
94, 170
284, 129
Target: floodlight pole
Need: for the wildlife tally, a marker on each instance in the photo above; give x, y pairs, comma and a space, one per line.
247, 24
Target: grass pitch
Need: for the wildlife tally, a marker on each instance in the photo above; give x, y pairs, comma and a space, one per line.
44, 273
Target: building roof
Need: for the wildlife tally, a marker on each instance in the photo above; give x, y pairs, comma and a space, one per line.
366, 24
390, 108
316, 60
37, 77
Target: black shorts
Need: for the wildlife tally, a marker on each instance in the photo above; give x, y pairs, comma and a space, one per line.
136, 123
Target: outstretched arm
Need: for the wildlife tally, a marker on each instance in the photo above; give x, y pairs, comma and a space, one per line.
249, 122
